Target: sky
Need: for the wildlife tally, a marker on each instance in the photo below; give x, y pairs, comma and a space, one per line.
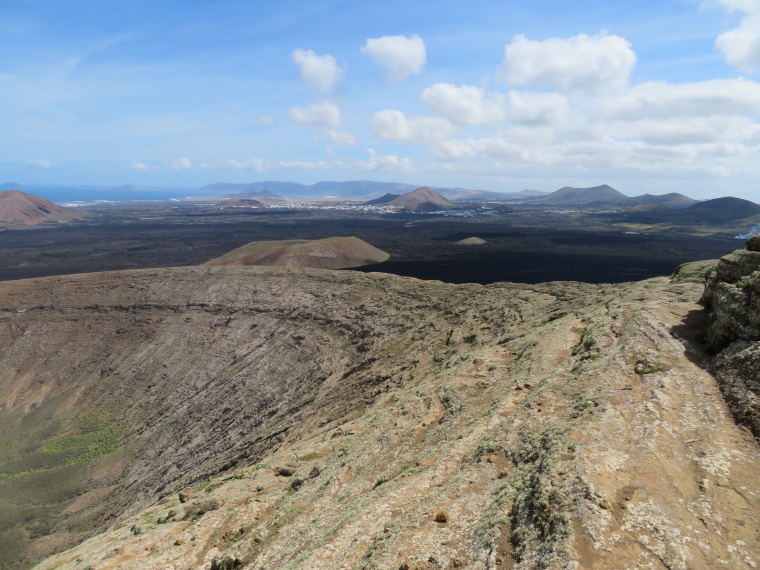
647, 96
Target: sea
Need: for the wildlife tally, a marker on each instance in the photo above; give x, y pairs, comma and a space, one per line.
65, 195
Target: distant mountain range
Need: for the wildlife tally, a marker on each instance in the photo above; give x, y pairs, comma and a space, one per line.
606, 194
645, 206
670, 208
352, 189
319, 189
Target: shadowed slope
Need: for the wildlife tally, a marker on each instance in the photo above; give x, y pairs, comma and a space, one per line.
719, 210
570, 195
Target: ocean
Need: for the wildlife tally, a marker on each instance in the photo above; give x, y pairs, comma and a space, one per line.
64, 194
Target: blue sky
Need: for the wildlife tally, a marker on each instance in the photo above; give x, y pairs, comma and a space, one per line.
646, 96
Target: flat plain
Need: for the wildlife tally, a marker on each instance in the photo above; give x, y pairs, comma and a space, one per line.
521, 246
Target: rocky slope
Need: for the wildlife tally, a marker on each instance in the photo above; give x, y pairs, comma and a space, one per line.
289, 418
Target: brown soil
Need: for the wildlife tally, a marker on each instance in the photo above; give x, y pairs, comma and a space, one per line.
21, 209
328, 253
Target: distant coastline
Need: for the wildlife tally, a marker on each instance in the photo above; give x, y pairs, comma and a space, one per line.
64, 195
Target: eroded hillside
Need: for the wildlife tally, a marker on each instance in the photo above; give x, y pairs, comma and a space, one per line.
317, 419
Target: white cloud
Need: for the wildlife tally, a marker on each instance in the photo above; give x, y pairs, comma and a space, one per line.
455, 149
741, 46
465, 105
526, 107
265, 121
261, 165
688, 130
658, 100
320, 114
300, 165
324, 115
618, 157
386, 163
401, 55
581, 63
748, 6
43, 163
318, 72
342, 137
393, 124
139, 166
181, 164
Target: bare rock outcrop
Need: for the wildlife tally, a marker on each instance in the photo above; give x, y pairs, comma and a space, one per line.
738, 370
732, 294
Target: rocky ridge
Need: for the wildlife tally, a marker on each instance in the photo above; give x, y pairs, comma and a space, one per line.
293, 418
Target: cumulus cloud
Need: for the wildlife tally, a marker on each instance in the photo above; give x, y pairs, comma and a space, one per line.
402, 56
342, 137
659, 100
386, 163
39, 163
525, 107
324, 115
580, 63
318, 72
265, 121
688, 130
319, 114
393, 124
181, 164
741, 46
139, 166
465, 105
